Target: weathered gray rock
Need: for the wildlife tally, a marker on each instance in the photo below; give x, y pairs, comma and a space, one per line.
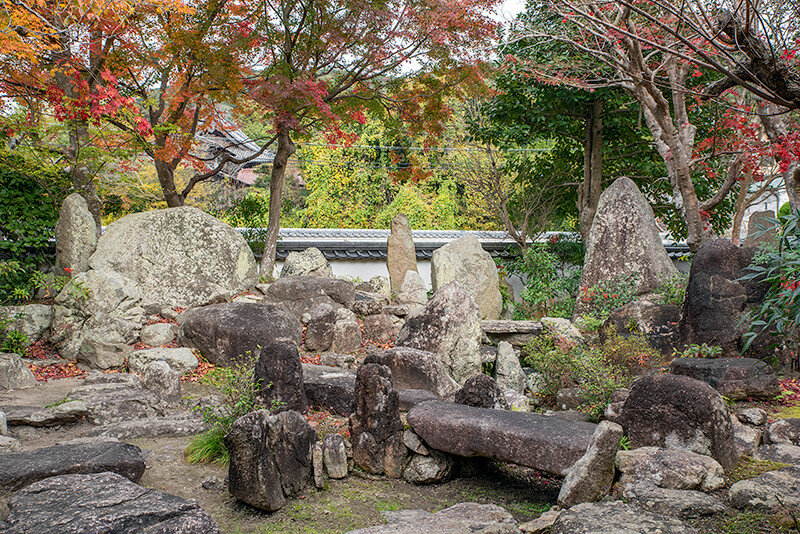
368, 303
310, 262
280, 374
112, 403
658, 323
716, 300
158, 334
377, 285
571, 398
300, 294
163, 381
14, 374
329, 388
542, 524
760, 230
411, 397
102, 502
226, 333
270, 457
402, 256
76, 236
679, 412
683, 504
481, 391
3, 424
344, 361
625, 221
670, 469
616, 517
334, 456
464, 261
768, 490
448, 326
8, 444
561, 328
177, 257
592, 475
735, 378
463, 517
413, 290
33, 320
430, 468
378, 328
319, 332
518, 333
177, 425
96, 317
376, 429
780, 453
518, 402
415, 369
414, 443
346, 332
65, 413
786, 431
549, 444
317, 462
181, 360
746, 438
507, 369
21, 469
752, 416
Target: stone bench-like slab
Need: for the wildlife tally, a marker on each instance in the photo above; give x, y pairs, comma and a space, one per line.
735, 378
547, 443
518, 333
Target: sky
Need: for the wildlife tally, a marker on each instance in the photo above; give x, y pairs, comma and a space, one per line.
510, 9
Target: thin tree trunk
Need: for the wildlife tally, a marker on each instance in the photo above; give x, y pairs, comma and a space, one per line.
741, 207
285, 149
591, 187
776, 131
166, 177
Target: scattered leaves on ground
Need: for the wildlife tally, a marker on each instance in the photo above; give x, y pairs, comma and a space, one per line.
41, 350
324, 422
203, 368
44, 373
311, 358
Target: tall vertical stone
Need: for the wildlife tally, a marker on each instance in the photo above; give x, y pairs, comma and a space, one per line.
76, 236
402, 255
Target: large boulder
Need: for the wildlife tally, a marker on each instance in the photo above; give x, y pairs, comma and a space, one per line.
375, 425
679, 412
448, 326
413, 290
658, 323
225, 333
415, 369
549, 444
310, 262
33, 320
302, 294
464, 261
270, 458
76, 236
177, 257
735, 378
102, 502
773, 489
401, 255
113, 402
21, 469
280, 376
329, 388
507, 369
458, 519
625, 222
717, 300
14, 374
669, 469
180, 359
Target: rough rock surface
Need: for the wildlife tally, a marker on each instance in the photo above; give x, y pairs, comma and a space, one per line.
657, 322
616, 517
430, 468
549, 444
781, 453
225, 333
21, 469
752, 416
177, 257
163, 381
346, 332
401, 254
746, 438
158, 334
481, 391
375, 426
300, 294
14, 374
180, 360
319, 332
310, 262
334, 456
281, 374
76, 236
115, 402
378, 328
684, 504
507, 369
65, 413
784, 431
592, 475
669, 469
270, 457
102, 502
735, 378
464, 261
766, 490
33, 320
180, 424
463, 517
413, 290
679, 412
449, 326
8, 444
716, 300
625, 221
329, 388
415, 369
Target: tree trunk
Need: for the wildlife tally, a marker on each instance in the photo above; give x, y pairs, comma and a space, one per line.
81, 175
166, 177
285, 149
776, 131
741, 207
591, 187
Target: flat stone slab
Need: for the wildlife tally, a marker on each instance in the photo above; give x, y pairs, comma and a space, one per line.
735, 378
463, 517
616, 517
685, 504
183, 424
19, 469
68, 412
331, 388
549, 444
766, 490
518, 333
102, 503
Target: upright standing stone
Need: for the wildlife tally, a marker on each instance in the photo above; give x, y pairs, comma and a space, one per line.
280, 373
757, 224
76, 236
334, 455
402, 256
507, 369
591, 476
377, 431
464, 261
624, 241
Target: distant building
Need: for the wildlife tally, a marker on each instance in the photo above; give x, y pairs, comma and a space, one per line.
228, 139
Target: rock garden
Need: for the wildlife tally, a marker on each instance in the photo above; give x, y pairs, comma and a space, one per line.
163, 387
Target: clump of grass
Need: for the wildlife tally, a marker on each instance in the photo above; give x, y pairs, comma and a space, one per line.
208, 447
748, 468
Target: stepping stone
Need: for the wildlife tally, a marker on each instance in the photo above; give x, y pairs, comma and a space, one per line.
182, 424
685, 504
463, 517
549, 444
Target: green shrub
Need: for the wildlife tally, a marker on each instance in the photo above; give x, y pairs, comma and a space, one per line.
608, 295
549, 283
671, 290
699, 351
